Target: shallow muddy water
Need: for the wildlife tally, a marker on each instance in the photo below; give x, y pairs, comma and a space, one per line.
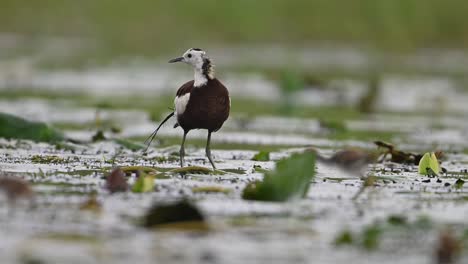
55, 230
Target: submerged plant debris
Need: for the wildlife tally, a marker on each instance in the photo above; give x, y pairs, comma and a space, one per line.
400, 156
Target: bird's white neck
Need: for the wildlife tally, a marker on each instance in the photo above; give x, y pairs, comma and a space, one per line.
199, 78
204, 71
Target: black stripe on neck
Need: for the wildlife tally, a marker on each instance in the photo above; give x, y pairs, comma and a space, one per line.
207, 68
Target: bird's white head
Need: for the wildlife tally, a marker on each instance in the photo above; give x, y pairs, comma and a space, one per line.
203, 67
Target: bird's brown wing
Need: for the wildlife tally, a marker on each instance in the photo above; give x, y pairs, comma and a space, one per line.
185, 88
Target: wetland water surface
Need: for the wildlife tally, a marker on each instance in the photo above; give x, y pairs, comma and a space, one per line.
397, 219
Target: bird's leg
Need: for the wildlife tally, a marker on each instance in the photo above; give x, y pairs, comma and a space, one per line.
208, 150
182, 150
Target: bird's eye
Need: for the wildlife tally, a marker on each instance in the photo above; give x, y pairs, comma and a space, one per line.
189, 55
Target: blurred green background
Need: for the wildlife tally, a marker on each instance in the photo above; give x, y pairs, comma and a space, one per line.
152, 27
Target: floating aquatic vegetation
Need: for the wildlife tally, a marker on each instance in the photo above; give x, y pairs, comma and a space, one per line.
182, 214
98, 136
333, 126
137, 169
459, 183
144, 183
130, 145
397, 220
67, 146
344, 238
258, 168
47, 159
371, 235
262, 156
429, 165
13, 127
289, 180
195, 170
368, 239
116, 181
211, 189
157, 173
311, 222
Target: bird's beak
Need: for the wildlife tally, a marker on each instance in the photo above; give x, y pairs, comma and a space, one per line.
176, 60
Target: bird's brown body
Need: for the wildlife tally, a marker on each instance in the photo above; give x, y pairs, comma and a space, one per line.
208, 106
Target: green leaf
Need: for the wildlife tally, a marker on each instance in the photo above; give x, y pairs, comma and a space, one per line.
130, 144
429, 164
180, 215
289, 180
145, 183
371, 237
435, 163
459, 183
98, 136
344, 238
262, 156
13, 127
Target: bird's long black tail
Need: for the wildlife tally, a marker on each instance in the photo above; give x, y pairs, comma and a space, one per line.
153, 135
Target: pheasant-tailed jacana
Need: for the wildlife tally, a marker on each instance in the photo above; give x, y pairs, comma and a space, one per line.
202, 103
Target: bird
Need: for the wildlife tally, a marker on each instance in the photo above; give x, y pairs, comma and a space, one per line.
350, 160
202, 103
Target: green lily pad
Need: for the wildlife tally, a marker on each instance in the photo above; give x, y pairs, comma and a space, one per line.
259, 169
145, 183
429, 164
262, 156
290, 179
13, 127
